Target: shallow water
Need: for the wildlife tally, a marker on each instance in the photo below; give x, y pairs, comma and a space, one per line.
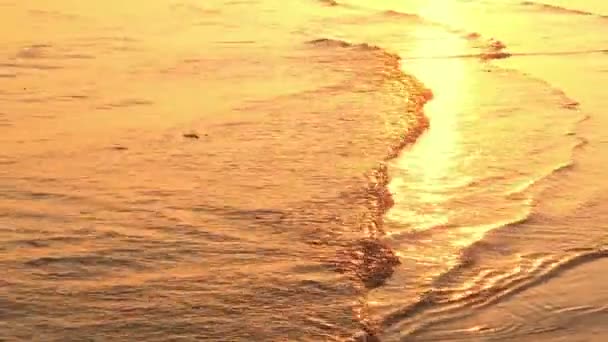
227, 170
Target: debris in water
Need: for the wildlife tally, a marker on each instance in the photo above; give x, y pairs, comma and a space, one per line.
191, 136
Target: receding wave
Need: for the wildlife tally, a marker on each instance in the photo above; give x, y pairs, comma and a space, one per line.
125, 103
442, 304
329, 42
338, 43
555, 9
489, 55
370, 260
463, 290
392, 13
492, 48
410, 17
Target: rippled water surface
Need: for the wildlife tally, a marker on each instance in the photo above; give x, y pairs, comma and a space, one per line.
313, 171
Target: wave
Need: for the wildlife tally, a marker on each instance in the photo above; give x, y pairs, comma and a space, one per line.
496, 49
444, 304
409, 17
484, 56
330, 42
490, 49
80, 266
373, 261
555, 171
555, 9
125, 103
338, 43
392, 13
369, 260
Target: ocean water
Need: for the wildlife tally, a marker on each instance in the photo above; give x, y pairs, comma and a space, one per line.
318, 170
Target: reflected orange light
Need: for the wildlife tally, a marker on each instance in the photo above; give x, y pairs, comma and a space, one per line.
433, 162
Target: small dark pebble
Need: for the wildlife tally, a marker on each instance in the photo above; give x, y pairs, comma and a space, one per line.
119, 148
191, 135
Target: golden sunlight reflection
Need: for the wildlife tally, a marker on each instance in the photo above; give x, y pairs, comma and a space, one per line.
440, 10
263, 170
432, 164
